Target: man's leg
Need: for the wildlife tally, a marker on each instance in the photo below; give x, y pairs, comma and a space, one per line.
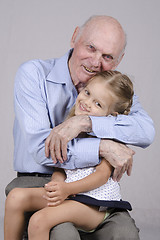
26, 182
64, 231
118, 226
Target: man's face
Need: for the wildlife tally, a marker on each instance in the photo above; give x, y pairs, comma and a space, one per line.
97, 49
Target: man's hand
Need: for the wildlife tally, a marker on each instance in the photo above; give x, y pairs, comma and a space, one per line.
56, 143
119, 156
56, 193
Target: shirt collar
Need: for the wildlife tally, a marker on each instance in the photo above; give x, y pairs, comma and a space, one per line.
60, 71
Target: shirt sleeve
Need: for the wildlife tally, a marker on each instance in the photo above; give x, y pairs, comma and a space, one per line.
81, 152
136, 129
34, 125
31, 111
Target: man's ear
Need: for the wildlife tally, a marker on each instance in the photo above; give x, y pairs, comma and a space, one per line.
118, 62
74, 36
120, 59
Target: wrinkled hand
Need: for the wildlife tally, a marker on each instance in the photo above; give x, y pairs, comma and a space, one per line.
119, 156
56, 193
56, 143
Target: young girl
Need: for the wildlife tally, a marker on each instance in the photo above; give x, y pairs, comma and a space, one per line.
84, 197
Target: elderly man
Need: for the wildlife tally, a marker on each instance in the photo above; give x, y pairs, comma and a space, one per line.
45, 91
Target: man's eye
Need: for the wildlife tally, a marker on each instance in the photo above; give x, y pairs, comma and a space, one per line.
91, 47
108, 57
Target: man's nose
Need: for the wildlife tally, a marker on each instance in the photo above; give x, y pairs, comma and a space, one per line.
97, 60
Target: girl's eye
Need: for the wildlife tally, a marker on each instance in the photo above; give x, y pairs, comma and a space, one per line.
98, 104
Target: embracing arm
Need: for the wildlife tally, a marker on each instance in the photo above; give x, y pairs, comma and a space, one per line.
34, 122
94, 180
56, 143
135, 129
58, 191
58, 175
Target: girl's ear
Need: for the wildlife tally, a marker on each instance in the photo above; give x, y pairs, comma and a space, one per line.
114, 114
74, 36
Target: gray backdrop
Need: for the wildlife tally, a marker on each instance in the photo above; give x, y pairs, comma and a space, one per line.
42, 29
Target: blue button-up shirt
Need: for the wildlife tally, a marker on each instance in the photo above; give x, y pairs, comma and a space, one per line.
44, 94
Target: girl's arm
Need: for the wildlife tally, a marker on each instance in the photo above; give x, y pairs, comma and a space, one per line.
57, 191
58, 175
92, 181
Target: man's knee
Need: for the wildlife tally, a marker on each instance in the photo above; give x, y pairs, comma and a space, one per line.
26, 182
119, 226
64, 231
119, 232
122, 227
9, 187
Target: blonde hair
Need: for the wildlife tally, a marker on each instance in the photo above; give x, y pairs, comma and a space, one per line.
122, 88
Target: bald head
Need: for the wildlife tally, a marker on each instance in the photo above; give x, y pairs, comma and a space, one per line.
100, 22
98, 46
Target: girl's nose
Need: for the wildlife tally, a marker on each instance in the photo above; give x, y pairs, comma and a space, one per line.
88, 103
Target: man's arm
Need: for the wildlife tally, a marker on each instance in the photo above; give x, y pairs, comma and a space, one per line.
56, 142
119, 155
135, 129
34, 124
33, 119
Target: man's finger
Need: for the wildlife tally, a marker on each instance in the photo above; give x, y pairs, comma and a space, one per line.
58, 150
47, 145
52, 153
129, 169
115, 174
121, 172
64, 150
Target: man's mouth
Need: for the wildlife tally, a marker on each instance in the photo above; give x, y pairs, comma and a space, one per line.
88, 69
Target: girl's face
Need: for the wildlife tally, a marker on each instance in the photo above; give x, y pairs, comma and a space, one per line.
96, 99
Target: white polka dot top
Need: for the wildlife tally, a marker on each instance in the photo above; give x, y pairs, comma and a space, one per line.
108, 191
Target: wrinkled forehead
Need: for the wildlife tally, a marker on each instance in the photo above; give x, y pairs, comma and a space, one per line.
106, 36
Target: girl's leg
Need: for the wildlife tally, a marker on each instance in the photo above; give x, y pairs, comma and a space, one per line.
82, 216
19, 201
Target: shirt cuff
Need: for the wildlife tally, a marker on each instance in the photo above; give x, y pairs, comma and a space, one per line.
102, 127
83, 152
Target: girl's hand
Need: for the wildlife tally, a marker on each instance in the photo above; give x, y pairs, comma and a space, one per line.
56, 193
